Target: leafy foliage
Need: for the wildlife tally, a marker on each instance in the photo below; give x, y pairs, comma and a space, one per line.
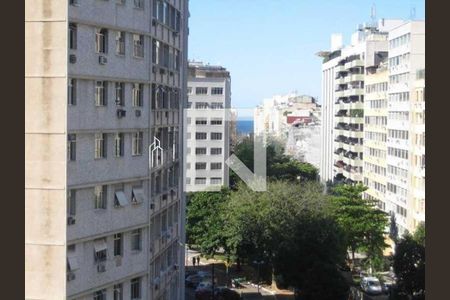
279, 165
409, 263
204, 220
363, 222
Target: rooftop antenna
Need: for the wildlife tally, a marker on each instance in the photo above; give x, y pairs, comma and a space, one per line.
373, 14
412, 15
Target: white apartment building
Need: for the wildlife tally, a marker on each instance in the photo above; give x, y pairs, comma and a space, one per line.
207, 127
105, 85
343, 96
272, 116
406, 125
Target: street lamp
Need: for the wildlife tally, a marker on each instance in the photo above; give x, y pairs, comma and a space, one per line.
258, 263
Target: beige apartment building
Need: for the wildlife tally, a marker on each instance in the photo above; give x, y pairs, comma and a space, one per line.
375, 132
105, 86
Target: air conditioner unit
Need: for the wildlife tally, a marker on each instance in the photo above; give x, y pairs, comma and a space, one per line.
72, 58
171, 73
101, 268
152, 205
70, 220
162, 71
118, 260
70, 276
121, 113
102, 60
154, 23
138, 113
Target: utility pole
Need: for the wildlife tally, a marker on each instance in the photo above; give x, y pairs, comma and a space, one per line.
212, 274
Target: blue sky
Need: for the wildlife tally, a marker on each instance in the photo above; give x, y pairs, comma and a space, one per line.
269, 46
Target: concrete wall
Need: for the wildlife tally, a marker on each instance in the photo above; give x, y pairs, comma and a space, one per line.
45, 148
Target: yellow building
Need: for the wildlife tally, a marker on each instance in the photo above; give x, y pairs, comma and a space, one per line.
417, 174
375, 132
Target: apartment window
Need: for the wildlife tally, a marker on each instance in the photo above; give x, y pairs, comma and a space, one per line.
101, 92
72, 36
120, 93
189, 90
216, 122
200, 180
201, 90
120, 199
137, 194
217, 91
200, 166
135, 288
136, 240
137, 95
216, 135
201, 105
100, 145
119, 145
118, 292
216, 151
73, 2
156, 49
200, 151
139, 4
72, 92
200, 135
100, 250
137, 141
120, 43
101, 40
216, 180
71, 203
118, 244
216, 105
71, 147
216, 166
100, 295
201, 122
100, 196
138, 42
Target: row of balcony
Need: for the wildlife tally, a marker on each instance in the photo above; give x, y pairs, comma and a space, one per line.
352, 91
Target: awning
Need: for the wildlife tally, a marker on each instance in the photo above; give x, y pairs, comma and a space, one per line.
138, 194
100, 245
120, 195
73, 263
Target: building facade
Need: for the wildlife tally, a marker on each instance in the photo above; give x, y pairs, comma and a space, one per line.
375, 133
207, 127
275, 115
105, 91
405, 195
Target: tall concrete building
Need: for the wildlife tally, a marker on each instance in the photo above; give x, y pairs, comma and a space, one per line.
343, 96
405, 195
375, 132
105, 89
208, 127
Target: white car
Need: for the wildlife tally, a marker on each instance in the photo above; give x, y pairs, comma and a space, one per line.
204, 285
371, 285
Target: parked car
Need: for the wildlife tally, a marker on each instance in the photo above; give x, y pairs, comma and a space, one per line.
194, 280
371, 285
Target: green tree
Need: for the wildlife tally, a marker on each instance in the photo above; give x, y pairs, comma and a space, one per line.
290, 227
393, 229
363, 222
409, 264
204, 220
279, 165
